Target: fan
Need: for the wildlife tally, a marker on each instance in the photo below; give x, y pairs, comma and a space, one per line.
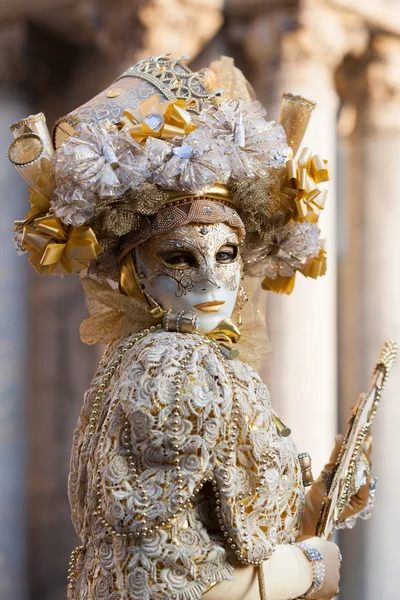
352, 467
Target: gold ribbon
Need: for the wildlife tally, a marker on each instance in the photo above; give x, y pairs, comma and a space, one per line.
314, 267
39, 204
56, 249
280, 285
304, 175
317, 266
39, 207
226, 332
172, 119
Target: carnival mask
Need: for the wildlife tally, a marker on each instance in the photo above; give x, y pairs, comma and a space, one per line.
194, 268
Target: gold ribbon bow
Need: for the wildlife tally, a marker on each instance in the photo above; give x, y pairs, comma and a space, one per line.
314, 267
228, 334
226, 331
39, 204
56, 249
153, 119
279, 285
39, 207
304, 175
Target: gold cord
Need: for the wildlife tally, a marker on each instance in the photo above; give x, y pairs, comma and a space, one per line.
261, 582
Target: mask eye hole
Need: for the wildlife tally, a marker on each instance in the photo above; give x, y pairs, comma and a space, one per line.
227, 254
178, 259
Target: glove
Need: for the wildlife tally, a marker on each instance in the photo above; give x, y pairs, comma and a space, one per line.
315, 496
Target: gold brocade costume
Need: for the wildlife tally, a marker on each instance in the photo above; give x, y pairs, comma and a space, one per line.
157, 523
180, 469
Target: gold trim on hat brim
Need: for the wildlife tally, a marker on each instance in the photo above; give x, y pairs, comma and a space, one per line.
28, 121
63, 129
219, 191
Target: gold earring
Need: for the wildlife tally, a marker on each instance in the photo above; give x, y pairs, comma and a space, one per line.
242, 299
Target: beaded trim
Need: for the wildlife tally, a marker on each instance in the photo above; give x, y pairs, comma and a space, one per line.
190, 199
178, 321
72, 568
107, 377
166, 319
31, 119
234, 431
17, 141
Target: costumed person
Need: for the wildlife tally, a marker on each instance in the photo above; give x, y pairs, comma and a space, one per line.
164, 192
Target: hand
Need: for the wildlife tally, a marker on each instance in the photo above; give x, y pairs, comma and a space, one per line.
359, 501
315, 497
331, 560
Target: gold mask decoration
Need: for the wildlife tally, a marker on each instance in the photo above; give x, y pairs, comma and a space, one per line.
195, 268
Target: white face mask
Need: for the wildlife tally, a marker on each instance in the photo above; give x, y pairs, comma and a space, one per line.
194, 268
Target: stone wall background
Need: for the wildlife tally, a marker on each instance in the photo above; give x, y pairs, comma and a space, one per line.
54, 55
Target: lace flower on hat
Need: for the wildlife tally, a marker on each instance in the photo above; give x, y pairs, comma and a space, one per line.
157, 152
252, 144
293, 245
89, 159
133, 164
18, 243
97, 162
194, 165
73, 205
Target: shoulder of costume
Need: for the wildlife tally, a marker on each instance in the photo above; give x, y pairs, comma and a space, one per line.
167, 342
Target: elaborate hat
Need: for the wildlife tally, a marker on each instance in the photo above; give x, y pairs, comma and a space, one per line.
165, 146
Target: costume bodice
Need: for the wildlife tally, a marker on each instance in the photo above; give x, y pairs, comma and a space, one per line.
177, 471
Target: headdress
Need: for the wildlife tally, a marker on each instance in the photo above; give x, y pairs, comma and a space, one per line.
163, 144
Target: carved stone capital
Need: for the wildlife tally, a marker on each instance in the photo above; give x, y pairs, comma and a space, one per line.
178, 26
125, 30
305, 39
371, 82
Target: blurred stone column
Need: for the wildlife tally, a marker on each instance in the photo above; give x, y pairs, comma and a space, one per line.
371, 299
13, 333
288, 50
302, 373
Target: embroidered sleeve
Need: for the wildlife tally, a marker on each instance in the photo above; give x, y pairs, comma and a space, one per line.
257, 481
167, 412
177, 415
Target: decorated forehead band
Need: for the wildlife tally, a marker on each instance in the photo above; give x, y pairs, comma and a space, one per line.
192, 210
